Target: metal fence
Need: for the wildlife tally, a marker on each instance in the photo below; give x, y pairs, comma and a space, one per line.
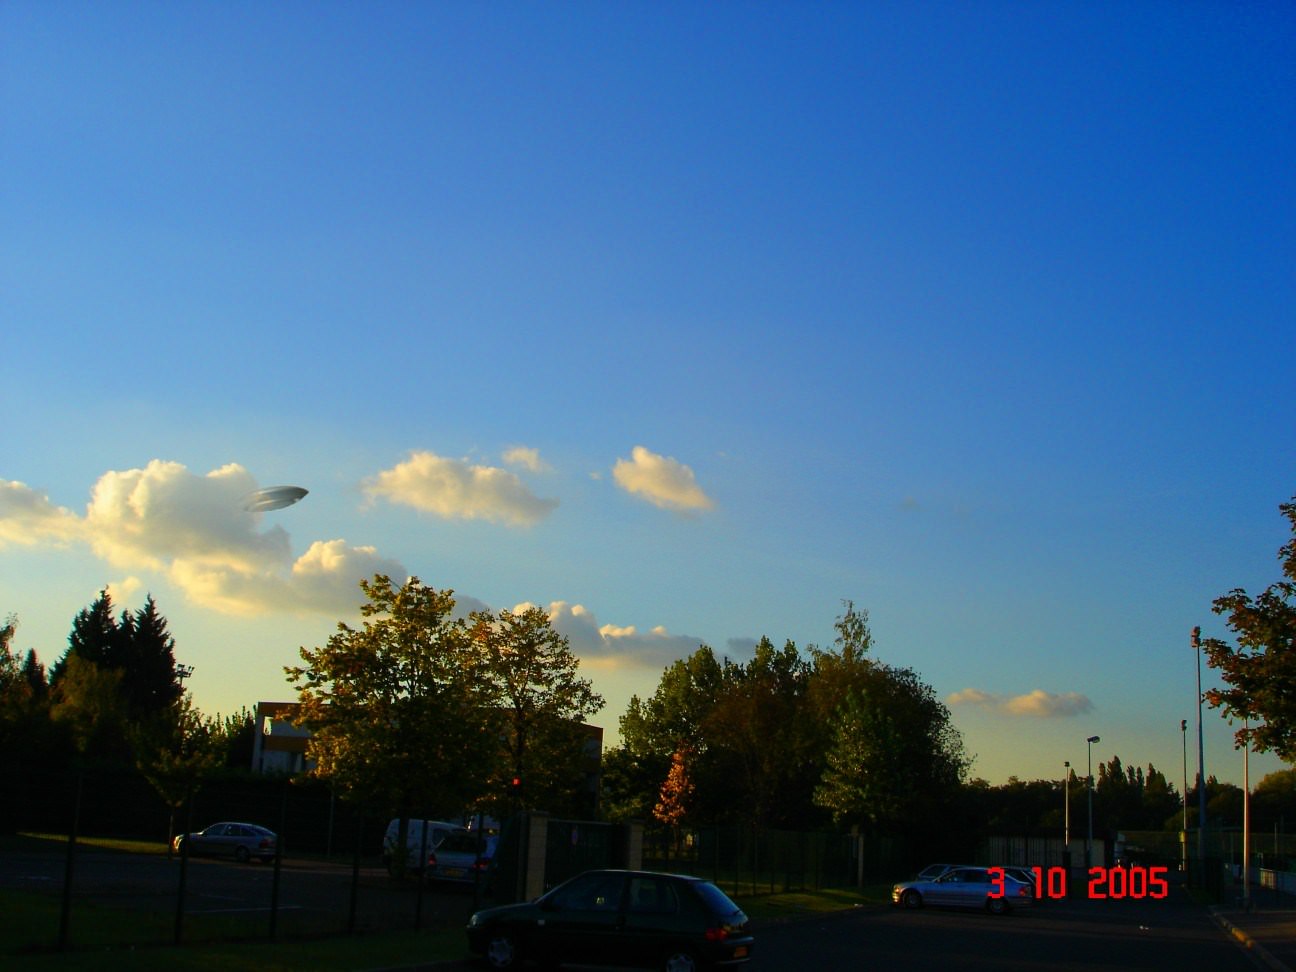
750, 861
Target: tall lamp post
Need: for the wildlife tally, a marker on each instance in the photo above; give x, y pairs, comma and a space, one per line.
1066, 813
1183, 841
1201, 758
1089, 785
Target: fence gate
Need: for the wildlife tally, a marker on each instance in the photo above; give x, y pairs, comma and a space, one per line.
572, 846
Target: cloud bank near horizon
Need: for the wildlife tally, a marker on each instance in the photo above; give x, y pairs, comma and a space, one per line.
1035, 704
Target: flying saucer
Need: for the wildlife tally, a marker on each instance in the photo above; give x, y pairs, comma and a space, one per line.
272, 498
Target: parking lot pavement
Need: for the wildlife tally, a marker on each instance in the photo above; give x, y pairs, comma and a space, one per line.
1267, 929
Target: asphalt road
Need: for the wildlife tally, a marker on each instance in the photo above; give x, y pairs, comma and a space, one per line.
1087, 936
312, 896
1070, 936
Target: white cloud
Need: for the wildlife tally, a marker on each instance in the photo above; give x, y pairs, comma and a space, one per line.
27, 517
164, 514
457, 489
525, 457
661, 480
325, 579
1037, 704
194, 530
610, 645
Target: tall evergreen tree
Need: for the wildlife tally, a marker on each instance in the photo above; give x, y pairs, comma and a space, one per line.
148, 660
94, 637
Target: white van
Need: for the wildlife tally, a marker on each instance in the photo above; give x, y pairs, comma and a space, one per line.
437, 831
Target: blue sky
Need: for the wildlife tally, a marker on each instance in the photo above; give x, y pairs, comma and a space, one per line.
683, 321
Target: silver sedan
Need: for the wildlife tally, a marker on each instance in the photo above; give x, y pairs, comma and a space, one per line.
241, 841
966, 887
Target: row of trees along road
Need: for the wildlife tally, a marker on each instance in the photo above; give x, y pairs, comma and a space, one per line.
790, 740
114, 700
420, 709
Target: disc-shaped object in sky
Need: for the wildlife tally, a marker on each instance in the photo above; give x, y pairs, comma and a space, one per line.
272, 498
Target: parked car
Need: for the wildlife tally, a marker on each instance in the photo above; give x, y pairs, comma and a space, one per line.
1024, 875
437, 831
965, 887
640, 919
241, 841
460, 857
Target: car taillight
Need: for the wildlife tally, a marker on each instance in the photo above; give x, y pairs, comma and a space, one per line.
717, 934
431, 860
265, 843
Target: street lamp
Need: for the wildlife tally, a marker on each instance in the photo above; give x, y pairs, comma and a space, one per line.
1201, 758
1089, 785
1183, 841
1066, 813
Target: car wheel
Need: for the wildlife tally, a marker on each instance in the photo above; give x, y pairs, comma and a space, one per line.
502, 951
241, 854
681, 962
911, 899
997, 906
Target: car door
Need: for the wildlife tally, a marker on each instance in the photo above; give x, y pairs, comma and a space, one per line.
971, 888
211, 840
580, 922
652, 919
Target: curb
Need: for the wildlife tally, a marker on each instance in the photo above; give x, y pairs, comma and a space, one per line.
1249, 943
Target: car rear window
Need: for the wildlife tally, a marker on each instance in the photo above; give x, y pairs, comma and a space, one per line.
715, 899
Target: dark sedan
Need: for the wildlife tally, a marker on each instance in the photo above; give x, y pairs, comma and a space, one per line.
241, 841
640, 919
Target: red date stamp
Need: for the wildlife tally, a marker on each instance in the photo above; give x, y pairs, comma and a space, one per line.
1104, 882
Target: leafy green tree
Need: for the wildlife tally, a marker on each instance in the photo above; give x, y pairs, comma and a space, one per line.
541, 704
1273, 804
88, 702
397, 708
757, 729
653, 729
1261, 670
896, 761
175, 751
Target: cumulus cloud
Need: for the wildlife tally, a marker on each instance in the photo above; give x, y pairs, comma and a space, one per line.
325, 579
609, 645
163, 514
1038, 704
193, 529
525, 457
457, 489
661, 480
27, 517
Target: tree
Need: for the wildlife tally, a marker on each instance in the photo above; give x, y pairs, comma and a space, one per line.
541, 704
756, 730
1261, 670
175, 750
397, 707
137, 646
896, 761
88, 701
146, 654
673, 798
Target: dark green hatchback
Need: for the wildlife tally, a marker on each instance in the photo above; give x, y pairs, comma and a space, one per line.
639, 919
